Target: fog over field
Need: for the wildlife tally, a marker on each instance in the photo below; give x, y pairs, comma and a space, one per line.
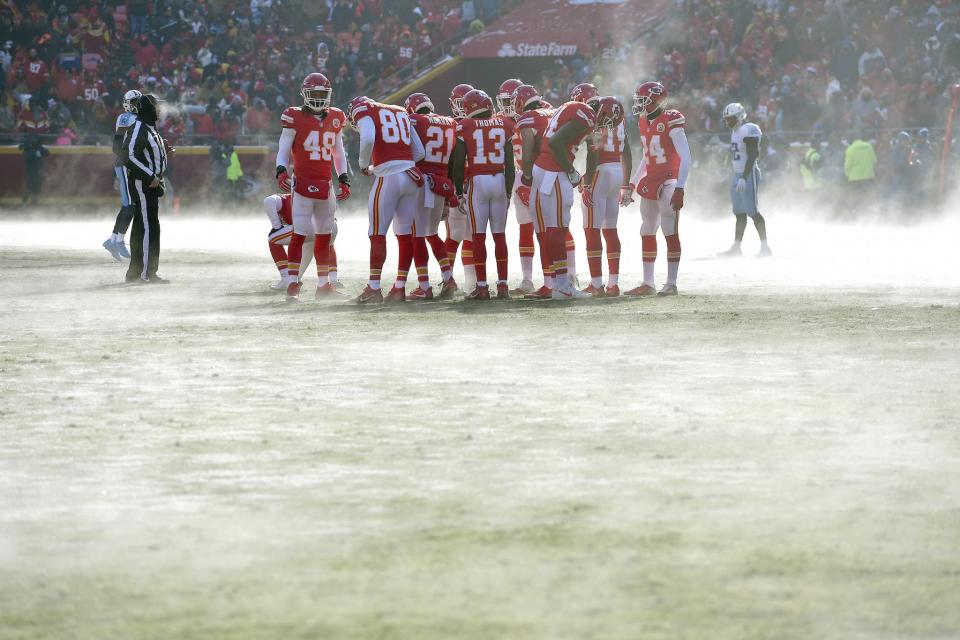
772, 454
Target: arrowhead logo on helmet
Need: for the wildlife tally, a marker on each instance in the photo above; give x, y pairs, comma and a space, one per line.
505, 96
609, 112
356, 109
456, 99
476, 102
417, 101
586, 93
648, 98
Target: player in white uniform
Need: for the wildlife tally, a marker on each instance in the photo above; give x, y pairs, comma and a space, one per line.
115, 243
745, 183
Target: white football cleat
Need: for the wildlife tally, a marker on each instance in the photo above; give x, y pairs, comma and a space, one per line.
668, 290
765, 253
733, 252
560, 293
580, 293
525, 287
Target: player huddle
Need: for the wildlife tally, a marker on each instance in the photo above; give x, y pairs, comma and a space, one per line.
466, 170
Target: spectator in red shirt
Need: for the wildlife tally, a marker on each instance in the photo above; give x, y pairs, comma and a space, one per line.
36, 72
257, 119
145, 53
33, 119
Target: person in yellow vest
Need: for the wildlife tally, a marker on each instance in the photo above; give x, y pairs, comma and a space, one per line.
860, 164
234, 171
811, 165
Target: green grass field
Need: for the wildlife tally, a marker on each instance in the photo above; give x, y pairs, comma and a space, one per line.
773, 454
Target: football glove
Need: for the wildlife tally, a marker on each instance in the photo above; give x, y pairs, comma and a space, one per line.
367, 171
574, 177
344, 191
462, 204
586, 194
523, 192
283, 179
676, 200
741, 185
626, 195
526, 180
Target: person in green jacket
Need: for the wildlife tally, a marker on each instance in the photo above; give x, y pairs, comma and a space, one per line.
811, 165
234, 171
860, 164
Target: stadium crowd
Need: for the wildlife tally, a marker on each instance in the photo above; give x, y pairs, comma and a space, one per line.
821, 71
230, 66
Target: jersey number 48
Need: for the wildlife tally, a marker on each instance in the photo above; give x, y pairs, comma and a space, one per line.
320, 150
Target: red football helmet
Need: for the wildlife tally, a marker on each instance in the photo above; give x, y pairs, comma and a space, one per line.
523, 97
545, 105
316, 91
609, 112
585, 92
648, 98
356, 107
475, 102
417, 101
456, 99
505, 96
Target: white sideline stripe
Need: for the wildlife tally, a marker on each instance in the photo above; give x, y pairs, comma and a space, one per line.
146, 228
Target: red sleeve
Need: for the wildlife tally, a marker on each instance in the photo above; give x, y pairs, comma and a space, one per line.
288, 118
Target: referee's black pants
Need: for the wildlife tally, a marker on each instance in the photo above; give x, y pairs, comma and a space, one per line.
145, 237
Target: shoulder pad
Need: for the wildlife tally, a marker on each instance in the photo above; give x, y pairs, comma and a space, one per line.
289, 115
125, 120
674, 118
586, 114
752, 129
336, 117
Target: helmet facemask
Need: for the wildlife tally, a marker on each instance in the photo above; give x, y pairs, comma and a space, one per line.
316, 98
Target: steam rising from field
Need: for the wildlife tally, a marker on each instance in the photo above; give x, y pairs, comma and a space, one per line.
772, 454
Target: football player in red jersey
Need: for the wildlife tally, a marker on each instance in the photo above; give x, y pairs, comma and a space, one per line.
552, 182
389, 151
600, 195
535, 114
659, 181
277, 207
588, 94
457, 224
484, 158
313, 136
505, 104
437, 133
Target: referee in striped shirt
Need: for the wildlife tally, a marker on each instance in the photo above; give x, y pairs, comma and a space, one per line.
146, 162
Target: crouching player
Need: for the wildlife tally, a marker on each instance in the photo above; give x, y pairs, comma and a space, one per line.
437, 135
313, 135
484, 157
277, 208
659, 181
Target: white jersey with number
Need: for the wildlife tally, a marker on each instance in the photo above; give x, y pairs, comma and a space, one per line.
738, 150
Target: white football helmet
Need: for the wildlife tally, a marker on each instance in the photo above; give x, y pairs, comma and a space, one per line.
129, 100
734, 114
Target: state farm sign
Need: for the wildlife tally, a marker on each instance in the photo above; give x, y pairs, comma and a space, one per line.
525, 49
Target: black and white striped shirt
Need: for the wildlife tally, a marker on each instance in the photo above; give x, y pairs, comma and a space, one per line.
146, 155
